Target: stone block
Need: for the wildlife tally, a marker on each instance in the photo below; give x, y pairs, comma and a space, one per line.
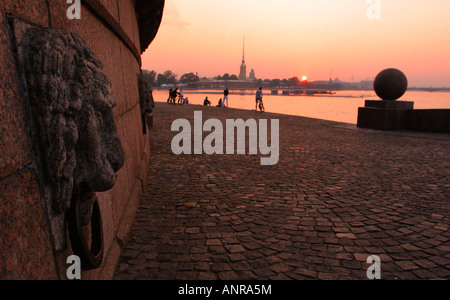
431, 120
121, 190
112, 8
34, 11
133, 140
401, 115
384, 114
15, 146
382, 119
25, 249
131, 71
57, 14
390, 104
127, 15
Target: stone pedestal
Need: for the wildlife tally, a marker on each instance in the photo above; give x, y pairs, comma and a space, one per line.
384, 114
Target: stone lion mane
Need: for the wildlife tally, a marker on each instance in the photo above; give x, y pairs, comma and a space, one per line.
71, 104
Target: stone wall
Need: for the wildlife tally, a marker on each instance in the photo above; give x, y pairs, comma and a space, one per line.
28, 246
401, 115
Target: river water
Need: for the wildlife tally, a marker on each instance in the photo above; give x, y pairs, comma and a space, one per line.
340, 107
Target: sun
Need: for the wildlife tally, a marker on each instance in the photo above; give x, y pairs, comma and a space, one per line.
304, 78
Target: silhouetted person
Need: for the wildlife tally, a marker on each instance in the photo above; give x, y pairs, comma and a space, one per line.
169, 100
206, 102
259, 101
181, 97
174, 96
225, 97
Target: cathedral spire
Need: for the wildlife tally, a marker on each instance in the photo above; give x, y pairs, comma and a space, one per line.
243, 71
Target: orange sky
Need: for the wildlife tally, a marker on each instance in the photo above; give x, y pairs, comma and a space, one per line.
286, 38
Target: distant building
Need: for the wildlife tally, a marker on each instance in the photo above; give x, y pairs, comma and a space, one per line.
243, 71
252, 75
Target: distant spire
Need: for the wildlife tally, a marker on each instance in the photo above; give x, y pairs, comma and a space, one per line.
243, 71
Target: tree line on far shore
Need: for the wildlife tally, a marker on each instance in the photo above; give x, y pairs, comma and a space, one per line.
191, 79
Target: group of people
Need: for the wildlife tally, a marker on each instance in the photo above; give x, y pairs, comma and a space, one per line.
259, 101
177, 96
207, 102
226, 92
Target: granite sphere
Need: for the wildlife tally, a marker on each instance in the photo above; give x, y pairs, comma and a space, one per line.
390, 84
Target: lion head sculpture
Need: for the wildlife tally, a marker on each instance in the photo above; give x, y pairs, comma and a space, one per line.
146, 100
71, 103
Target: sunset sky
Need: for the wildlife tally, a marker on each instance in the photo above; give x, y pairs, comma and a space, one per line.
287, 38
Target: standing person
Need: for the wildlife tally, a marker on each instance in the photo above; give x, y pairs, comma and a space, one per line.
259, 95
174, 96
181, 97
169, 100
225, 97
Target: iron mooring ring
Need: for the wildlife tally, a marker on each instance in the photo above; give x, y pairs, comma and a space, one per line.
91, 257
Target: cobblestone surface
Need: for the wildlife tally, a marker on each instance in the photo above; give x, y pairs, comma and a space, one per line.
337, 196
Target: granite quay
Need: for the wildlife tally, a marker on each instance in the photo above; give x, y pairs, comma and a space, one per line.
337, 197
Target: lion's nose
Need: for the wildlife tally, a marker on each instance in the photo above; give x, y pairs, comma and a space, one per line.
104, 179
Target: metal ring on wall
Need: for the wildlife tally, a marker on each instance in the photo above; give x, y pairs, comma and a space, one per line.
91, 257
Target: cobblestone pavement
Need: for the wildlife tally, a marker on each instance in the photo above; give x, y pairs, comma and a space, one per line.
338, 195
